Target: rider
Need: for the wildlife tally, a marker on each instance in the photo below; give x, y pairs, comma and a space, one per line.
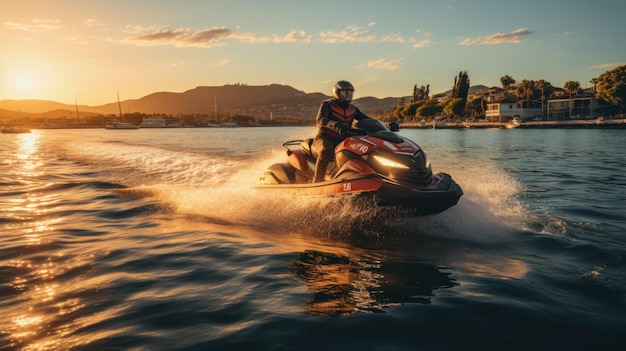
334, 120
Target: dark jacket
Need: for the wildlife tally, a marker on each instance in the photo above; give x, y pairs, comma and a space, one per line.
332, 112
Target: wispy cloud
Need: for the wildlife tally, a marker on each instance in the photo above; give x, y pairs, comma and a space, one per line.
37, 25
608, 65
355, 34
179, 37
209, 37
176, 64
499, 38
385, 64
422, 43
95, 23
223, 62
364, 82
292, 37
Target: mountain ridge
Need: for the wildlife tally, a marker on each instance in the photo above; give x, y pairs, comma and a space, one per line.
257, 100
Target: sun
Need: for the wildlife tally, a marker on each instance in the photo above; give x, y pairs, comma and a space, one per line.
24, 82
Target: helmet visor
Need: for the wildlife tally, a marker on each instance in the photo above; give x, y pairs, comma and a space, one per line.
345, 95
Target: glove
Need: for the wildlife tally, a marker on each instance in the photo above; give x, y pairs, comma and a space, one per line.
341, 128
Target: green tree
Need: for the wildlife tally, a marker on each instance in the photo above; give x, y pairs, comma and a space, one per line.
402, 112
460, 91
526, 89
572, 87
461, 86
542, 85
454, 107
594, 81
428, 109
421, 93
612, 87
507, 81
475, 107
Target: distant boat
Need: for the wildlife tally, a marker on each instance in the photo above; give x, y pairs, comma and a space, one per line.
229, 125
115, 124
153, 122
15, 130
223, 125
48, 125
514, 123
120, 125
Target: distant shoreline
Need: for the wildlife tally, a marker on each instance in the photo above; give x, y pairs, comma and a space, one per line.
571, 124
581, 124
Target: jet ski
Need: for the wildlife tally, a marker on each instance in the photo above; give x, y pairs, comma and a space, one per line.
374, 162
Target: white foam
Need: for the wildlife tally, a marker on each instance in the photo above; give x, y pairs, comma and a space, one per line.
198, 183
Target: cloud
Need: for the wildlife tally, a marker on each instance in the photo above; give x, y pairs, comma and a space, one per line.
180, 37
498, 38
384, 64
95, 23
210, 37
422, 43
176, 64
37, 25
223, 62
608, 65
355, 34
292, 37
364, 82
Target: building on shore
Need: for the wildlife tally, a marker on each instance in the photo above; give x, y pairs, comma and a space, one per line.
508, 108
583, 106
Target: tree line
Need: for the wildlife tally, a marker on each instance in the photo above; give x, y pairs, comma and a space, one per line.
609, 87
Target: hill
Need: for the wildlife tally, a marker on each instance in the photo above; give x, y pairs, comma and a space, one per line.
266, 101
472, 90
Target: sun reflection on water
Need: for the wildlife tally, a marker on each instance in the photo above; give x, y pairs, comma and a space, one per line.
29, 209
27, 154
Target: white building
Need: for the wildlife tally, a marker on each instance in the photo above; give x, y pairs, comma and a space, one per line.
506, 109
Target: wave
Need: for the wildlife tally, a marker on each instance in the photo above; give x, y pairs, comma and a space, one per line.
221, 189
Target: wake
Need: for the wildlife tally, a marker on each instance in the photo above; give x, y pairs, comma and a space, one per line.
221, 189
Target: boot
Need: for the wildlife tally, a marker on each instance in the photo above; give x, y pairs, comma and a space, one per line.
320, 170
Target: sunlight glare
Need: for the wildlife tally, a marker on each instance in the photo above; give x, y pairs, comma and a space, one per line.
24, 82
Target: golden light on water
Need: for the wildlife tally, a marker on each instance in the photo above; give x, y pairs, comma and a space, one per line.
28, 146
36, 285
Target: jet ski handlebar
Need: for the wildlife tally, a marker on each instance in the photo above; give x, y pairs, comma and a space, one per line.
357, 131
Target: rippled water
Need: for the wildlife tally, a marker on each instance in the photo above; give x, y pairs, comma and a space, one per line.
155, 239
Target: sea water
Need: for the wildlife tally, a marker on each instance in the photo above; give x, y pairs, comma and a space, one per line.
156, 239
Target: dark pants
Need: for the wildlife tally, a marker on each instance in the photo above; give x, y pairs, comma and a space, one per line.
324, 149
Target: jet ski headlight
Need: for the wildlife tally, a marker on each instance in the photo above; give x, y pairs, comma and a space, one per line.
389, 163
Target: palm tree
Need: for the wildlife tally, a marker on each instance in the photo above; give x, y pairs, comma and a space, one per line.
594, 81
541, 85
506, 81
526, 89
571, 87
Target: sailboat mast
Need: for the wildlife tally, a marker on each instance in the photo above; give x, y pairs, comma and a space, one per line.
119, 104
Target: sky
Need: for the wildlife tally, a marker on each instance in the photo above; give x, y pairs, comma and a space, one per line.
86, 52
